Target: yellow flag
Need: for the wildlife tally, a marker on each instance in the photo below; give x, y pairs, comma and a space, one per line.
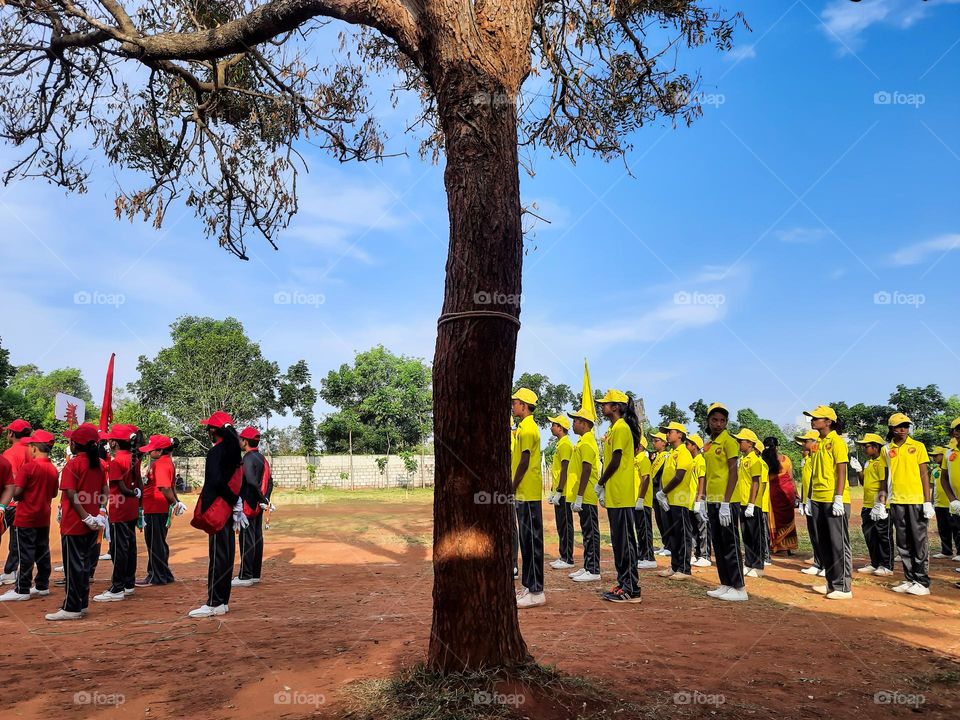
588, 408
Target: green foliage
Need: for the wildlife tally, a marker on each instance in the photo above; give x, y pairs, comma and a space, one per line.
699, 410
410, 463
672, 413
296, 393
382, 464
764, 428
36, 391
384, 399
921, 404
551, 399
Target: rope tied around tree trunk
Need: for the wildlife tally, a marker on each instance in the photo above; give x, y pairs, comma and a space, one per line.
472, 314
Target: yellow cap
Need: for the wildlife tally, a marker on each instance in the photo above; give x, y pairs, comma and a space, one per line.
939, 450
822, 411
870, 438
955, 423
717, 406
808, 435
898, 419
660, 436
747, 434
525, 395
582, 414
696, 440
643, 441
759, 446
674, 426
561, 421
614, 396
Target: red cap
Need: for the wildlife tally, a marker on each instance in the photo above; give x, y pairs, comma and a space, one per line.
250, 433
19, 425
120, 432
83, 435
157, 442
218, 419
39, 436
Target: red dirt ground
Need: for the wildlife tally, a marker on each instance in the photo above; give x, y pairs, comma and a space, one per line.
335, 609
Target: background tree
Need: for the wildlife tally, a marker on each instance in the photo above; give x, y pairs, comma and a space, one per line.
11, 404
151, 421
672, 413
296, 393
551, 399
698, 409
764, 428
211, 365
227, 87
921, 404
283, 441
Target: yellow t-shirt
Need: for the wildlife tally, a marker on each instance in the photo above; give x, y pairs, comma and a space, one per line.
656, 464
903, 462
747, 470
680, 459
764, 491
806, 471
641, 467
584, 452
620, 491
831, 451
699, 471
563, 452
874, 477
950, 468
528, 439
717, 453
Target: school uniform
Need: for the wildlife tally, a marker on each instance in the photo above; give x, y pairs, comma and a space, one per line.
562, 511
948, 529
585, 451
643, 519
726, 540
680, 499
806, 473
123, 511
763, 506
156, 512
661, 516
753, 528
17, 455
700, 523
833, 531
529, 507
37, 480
79, 543
950, 474
906, 507
620, 501
877, 534
219, 468
257, 484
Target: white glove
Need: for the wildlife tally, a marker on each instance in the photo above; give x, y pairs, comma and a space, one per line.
91, 522
855, 464
955, 507
137, 493
809, 512
272, 507
802, 508
928, 511
556, 499
639, 505
179, 509
750, 510
700, 508
578, 504
725, 517
601, 494
878, 512
661, 497
264, 506
240, 520
837, 508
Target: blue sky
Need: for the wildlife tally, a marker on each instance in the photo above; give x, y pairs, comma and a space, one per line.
797, 245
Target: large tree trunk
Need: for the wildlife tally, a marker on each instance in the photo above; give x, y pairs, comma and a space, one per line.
474, 608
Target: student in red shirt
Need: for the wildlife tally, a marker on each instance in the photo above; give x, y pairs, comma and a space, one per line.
257, 486
123, 474
6, 492
83, 513
35, 487
159, 496
16, 455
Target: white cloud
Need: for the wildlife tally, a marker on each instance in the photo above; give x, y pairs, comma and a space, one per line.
846, 21
741, 53
918, 252
800, 235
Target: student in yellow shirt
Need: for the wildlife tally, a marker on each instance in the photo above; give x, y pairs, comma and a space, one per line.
908, 482
723, 504
950, 479
808, 446
560, 471
830, 506
751, 486
643, 511
874, 517
698, 517
676, 498
528, 494
617, 492
657, 461
582, 495
948, 531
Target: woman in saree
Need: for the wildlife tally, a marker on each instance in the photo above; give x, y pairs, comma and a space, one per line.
783, 499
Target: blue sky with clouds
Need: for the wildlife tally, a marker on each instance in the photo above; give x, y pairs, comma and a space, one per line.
796, 245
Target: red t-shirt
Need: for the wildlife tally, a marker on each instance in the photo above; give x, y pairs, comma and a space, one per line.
38, 478
122, 507
18, 455
6, 474
160, 475
88, 483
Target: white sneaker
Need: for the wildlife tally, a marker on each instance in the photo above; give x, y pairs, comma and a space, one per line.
128, 591
105, 556
108, 596
58, 568
839, 595
902, 587
701, 562
753, 572
554, 564
221, 609
521, 593
767, 563
646, 565
717, 592
237, 582
666, 552
64, 615
666, 572
660, 551
207, 611
577, 573
680, 576
812, 570
822, 589
587, 577
939, 556
956, 558
956, 569
532, 600
821, 573
867, 570
14, 596
561, 565
38, 593
257, 580
917, 589
8, 578
882, 571
735, 595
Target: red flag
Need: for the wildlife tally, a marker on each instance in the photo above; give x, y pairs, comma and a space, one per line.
106, 411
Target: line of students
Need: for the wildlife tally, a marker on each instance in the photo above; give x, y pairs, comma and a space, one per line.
99, 494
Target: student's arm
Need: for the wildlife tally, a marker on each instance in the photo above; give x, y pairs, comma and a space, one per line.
701, 488
610, 469
10, 490
561, 483
754, 489
585, 471
17, 494
944, 482
521, 469
74, 500
925, 479
169, 495
644, 484
731, 479
841, 479
677, 479
882, 492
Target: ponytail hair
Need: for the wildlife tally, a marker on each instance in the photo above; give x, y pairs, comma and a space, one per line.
136, 442
771, 455
628, 412
232, 455
174, 443
92, 452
